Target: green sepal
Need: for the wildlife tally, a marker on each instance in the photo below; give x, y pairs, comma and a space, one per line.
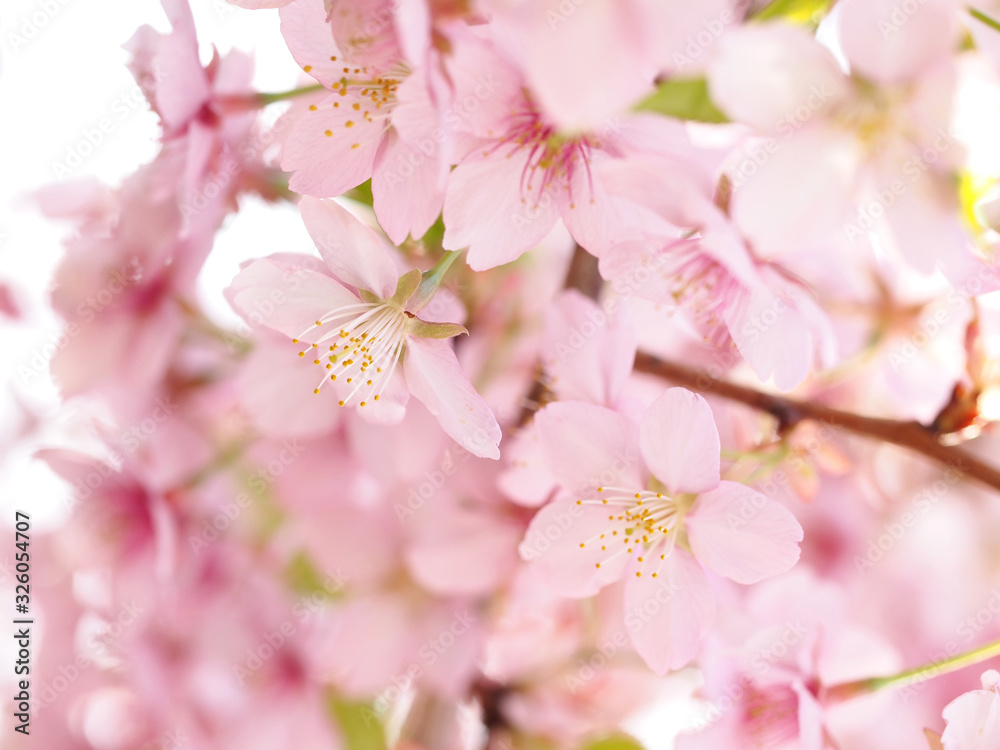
405, 288
425, 330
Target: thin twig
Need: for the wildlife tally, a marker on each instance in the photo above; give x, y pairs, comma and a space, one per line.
788, 411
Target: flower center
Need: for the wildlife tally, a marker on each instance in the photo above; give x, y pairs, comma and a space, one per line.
874, 116
368, 340
553, 158
771, 714
701, 286
640, 523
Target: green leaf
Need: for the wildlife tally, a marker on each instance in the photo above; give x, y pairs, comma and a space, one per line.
362, 193
685, 99
797, 11
434, 236
615, 742
360, 726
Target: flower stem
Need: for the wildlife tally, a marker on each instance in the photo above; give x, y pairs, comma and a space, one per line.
280, 96
847, 690
980, 16
914, 436
431, 280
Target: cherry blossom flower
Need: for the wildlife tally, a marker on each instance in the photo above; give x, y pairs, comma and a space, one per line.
356, 339
884, 135
647, 503
974, 718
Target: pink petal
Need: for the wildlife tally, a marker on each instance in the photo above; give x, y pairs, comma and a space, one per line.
552, 542
462, 551
668, 615
328, 156
484, 86
739, 533
354, 253
413, 28
779, 206
587, 354
276, 390
973, 721
527, 480
365, 32
924, 224
600, 70
288, 299
891, 42
763, 74
407, 189
435, 377
588, 446
310, 40
486, 210
680, 442
368, 644
182, 86
260, 4
676, 30
598, 216
772, 337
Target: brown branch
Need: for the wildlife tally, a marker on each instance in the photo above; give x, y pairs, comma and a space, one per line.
912, 435
584, 276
